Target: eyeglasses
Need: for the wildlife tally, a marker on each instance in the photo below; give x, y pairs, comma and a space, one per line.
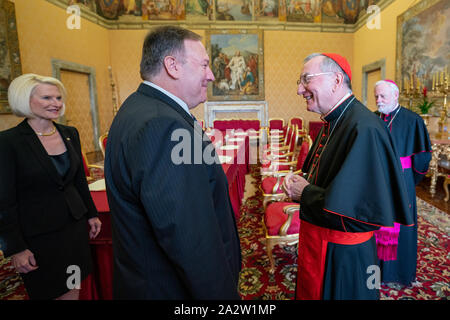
306, 78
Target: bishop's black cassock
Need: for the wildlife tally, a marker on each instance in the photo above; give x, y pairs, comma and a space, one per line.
356, 186
413, 146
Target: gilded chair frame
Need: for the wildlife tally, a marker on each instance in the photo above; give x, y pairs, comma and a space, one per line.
100, 143
446, 184
274, 196
279, 119
282, 238
301, 118
91, 167
287, 146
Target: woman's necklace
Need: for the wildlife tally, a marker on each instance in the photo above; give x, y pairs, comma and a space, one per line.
329, 136
46, 134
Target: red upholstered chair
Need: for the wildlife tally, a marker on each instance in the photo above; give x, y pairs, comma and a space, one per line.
278, 140
92, 171
276, 124
281, 222
102, 143
224, 124
276, 130
272, 181
220, 124
248, 124
298, 121
314, 128
282, 152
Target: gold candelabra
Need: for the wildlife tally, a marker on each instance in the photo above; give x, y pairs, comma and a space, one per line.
440, 87
412, 90
114, 92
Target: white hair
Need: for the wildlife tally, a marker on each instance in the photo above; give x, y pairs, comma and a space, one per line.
393, 87
21, 89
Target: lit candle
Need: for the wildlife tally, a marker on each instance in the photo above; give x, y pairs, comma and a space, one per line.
434, 82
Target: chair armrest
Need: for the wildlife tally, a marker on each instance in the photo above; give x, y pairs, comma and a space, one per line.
283, 163
94, 166
276, 185
280, 173
289, 210
278, 156
96, 172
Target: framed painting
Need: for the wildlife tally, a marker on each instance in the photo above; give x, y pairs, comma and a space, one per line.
268, 10
304, 11
163, 10
10, 66
199, 10
237, 61
234, 10
422, 42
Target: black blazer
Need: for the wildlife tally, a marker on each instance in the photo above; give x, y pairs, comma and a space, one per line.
34, 198
173, 227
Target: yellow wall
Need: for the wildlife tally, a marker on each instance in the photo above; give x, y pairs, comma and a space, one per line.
373, 45
284, 52
43, 35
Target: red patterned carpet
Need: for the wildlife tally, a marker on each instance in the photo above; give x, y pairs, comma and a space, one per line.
11, 286
433, 268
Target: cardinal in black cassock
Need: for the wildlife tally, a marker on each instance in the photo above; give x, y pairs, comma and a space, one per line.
352, 185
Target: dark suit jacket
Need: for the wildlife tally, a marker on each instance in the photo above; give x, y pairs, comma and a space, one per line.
34, 199
174, 231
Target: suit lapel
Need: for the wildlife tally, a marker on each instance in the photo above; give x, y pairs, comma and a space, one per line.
39, 151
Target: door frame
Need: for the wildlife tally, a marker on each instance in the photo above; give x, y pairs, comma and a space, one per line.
374, 66
57, 67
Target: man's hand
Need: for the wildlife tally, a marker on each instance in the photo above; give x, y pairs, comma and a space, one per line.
293, 186
24, 261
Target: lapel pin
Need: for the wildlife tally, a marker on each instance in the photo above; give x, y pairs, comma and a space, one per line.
68, 139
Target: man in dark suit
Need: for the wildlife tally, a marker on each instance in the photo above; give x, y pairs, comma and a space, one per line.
174, 231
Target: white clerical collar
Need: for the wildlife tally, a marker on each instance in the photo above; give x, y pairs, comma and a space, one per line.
396, 107
345, 97
177, 100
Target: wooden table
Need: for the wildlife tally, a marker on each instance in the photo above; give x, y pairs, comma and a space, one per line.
440, 146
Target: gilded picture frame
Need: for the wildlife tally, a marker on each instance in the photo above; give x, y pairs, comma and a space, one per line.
422, 43
237, 61
10, 65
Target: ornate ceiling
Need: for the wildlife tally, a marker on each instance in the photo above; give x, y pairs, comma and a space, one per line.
307, 15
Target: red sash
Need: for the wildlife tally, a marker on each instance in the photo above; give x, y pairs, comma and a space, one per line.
312, 249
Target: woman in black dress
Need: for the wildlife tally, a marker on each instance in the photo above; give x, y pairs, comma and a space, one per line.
46, 213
